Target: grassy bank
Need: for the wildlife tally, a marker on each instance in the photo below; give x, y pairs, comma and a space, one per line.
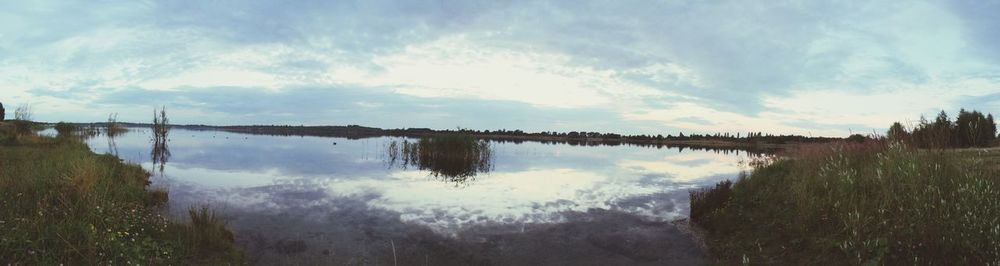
861, 203
61, 203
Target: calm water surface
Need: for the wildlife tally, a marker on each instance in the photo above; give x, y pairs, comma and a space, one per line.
306, 200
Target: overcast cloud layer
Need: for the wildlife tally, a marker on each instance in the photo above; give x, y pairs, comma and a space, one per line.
616, 66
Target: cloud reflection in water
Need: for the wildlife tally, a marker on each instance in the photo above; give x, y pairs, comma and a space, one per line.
270, 186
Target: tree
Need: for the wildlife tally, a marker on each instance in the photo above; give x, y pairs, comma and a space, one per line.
990, 130
857, 138
1, 112
941, 131
897, 133
967, 129
23, 113
22, 120
970, 129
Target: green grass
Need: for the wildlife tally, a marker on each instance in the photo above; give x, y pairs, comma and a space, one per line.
61, 203
869, 203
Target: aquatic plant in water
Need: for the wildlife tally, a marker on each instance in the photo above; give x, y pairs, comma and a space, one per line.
454, 158
160, 152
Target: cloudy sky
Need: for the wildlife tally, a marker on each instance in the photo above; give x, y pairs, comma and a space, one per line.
617, 66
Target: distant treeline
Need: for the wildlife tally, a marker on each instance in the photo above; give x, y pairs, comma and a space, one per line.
362, 131
755, 142
350, 132
970, 129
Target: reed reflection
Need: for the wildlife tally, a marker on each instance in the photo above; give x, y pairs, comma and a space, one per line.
452, 158
160, 153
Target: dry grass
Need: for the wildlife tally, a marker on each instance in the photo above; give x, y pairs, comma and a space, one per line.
82, 178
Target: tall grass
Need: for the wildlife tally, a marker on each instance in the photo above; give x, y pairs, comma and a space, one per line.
62, 204
209, 232
869, 203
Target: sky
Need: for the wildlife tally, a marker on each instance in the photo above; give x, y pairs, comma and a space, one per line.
633, 67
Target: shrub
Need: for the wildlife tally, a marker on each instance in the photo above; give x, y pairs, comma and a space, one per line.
113, 127
23, 113
65, 129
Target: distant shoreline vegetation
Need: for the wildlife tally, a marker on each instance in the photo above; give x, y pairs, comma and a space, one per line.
754, 142
572, 136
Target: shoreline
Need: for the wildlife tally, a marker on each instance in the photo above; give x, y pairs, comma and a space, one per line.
70, 204
756, 143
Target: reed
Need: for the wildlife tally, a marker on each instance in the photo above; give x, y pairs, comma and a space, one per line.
456, 158
160, 153
113, 127
65, 130
161, 125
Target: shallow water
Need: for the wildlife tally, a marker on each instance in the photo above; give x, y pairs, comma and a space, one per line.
313, 200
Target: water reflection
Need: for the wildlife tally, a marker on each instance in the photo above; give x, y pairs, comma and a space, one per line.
751, 150
303, 200
452, 158
112, 143
160, 153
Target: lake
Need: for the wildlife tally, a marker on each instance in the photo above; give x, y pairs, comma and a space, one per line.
316, 200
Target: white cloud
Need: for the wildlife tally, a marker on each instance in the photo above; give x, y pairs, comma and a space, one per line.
457, 67
777, 67
887, 103
698, 118
689, 167
215, 76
